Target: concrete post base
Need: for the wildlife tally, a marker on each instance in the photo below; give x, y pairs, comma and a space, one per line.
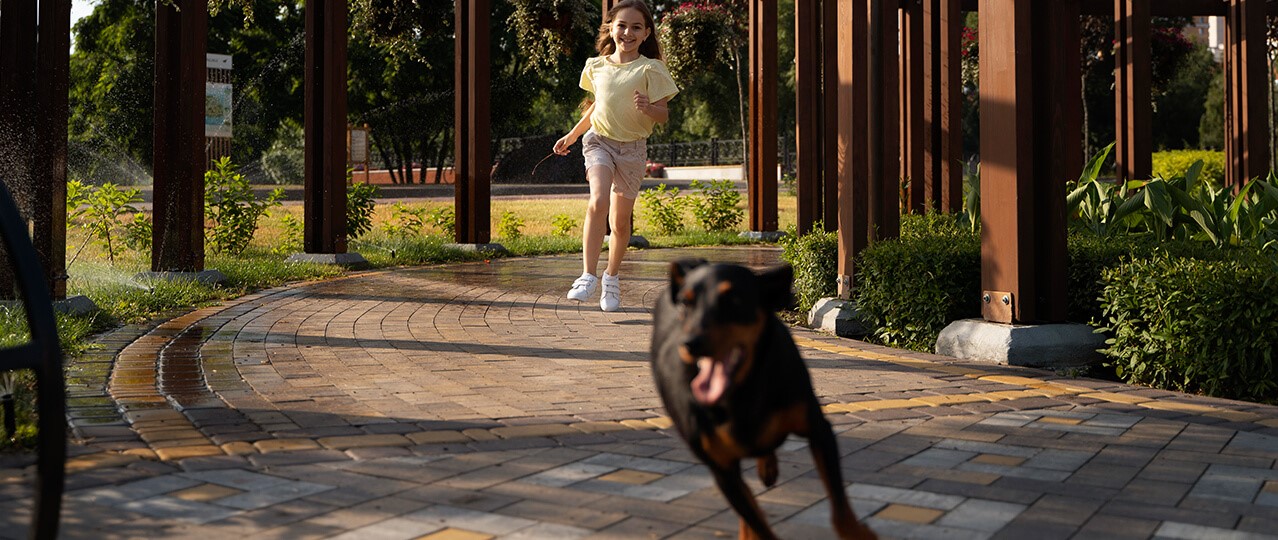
495, 249
75, 305
837, 316
762, 236
636, 241
1042, 346
205, 277
351, 260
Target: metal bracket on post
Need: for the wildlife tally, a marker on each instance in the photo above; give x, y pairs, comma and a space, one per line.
997, 306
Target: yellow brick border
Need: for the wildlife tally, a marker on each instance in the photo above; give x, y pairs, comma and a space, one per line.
1033, 388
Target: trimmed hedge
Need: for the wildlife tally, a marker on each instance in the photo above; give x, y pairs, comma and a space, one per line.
815, 259
1195, 325
1171, 163
908, 289
1183, 315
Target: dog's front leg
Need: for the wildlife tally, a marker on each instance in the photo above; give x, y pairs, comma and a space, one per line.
825, 453
753, 524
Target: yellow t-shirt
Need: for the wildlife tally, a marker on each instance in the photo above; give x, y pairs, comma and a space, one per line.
614, 85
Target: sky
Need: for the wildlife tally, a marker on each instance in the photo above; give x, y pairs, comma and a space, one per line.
80, 8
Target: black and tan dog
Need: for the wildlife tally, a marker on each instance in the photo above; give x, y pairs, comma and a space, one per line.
735, 386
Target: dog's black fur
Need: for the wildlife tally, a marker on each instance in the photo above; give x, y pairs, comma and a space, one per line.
734, 385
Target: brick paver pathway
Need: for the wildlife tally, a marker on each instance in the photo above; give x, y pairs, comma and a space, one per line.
474, 401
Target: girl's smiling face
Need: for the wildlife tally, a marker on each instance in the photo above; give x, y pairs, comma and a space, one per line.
629, 30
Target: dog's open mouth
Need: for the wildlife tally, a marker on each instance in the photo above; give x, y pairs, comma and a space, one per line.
713, 376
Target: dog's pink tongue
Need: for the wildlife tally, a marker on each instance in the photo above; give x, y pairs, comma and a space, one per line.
711, 380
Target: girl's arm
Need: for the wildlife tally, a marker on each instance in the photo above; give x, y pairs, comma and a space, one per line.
658, 111
561, 146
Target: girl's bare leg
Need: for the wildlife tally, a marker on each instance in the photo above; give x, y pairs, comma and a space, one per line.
592, 231
622, 209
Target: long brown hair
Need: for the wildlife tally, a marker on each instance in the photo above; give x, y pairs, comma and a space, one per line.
650, 47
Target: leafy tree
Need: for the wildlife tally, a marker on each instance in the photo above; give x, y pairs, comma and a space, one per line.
698, 37
111, 79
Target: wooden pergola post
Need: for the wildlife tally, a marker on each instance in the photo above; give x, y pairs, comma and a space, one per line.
1246, 93
853, 138
883, 145
50, 158
762, 180
473, 161
1027, 76
829, 115
33, 133
942, 180
808, 132
325, 118
1132, 107
914, 57
181, 30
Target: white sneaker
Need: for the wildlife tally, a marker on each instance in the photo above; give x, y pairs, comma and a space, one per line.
611, 299
583, 288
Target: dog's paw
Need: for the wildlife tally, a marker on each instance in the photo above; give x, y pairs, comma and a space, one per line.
768, 470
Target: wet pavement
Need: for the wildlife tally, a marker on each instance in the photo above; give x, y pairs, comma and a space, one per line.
474, 401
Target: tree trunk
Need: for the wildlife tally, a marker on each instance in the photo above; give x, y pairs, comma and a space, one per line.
445, 142
426, 148
386, 158
741, 109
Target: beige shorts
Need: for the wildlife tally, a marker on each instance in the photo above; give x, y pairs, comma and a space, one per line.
628, 161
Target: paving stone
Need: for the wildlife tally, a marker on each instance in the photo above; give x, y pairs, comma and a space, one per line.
271, 495
981, 515
391, 529
178, 509
486, 522
1190, 531
141, 489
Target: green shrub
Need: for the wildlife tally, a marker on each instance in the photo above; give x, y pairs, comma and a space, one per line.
99, 210
231, 209
1193, 325
405, 221
443, 218
909, 288
716, 205
510, 226
1171, 163
814, 257
291, 237
563, 225
665, 208
137, 232
1090, 256
359, 208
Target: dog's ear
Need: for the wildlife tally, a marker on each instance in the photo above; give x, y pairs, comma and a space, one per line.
678, 271
774, 287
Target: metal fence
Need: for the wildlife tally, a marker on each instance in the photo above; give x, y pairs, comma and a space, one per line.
671, 154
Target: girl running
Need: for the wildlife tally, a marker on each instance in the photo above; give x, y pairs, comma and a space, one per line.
631, 86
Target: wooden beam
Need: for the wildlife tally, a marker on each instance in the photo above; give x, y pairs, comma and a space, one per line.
177, 240
883, 151
912, 90
807, 130
1133, 110
762, 179
50, 158
942, 105
1022, 68
853, 138
325, 117
473, 165
829, 214
1246, 93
